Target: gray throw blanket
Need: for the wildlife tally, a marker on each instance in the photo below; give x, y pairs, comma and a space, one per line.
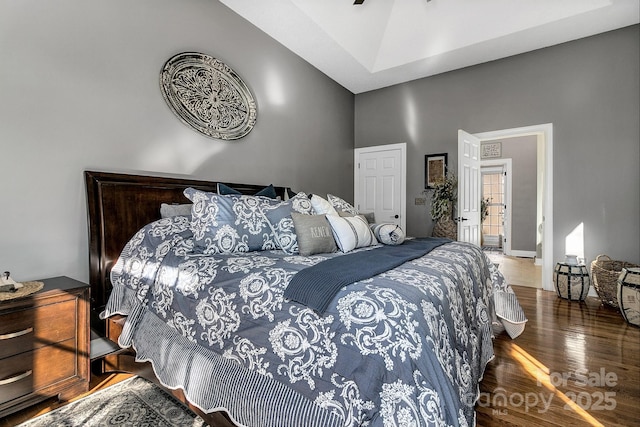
316, 286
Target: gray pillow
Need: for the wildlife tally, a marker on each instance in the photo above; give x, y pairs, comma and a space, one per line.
171, 210
369, 216
314, 234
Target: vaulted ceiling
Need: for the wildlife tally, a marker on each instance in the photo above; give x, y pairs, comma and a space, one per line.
384, 42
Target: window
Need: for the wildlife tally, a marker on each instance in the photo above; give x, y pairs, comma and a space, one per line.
493, 189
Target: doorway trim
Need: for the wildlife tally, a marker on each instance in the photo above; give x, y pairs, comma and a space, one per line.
545, 135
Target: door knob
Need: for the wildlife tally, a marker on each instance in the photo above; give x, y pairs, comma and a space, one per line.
396, 216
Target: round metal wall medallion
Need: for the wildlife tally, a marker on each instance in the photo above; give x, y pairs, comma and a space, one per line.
208, 96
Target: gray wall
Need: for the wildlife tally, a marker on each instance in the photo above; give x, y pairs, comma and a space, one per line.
587, 88
79, 85
79, 90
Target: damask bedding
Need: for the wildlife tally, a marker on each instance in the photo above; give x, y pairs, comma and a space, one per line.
406, 347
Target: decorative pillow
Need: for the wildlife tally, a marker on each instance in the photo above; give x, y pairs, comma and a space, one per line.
268, 191
341, 205
314, 234
233, 223
369, 216
351, 232
171, 210
322, 206
279, 219
301, 203
388, 233
290, 193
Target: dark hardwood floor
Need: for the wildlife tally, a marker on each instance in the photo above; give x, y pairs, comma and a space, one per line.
577, 363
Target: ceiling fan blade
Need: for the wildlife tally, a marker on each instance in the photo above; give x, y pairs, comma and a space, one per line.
358, 2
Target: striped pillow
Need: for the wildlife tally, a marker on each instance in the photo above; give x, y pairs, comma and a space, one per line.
351, 232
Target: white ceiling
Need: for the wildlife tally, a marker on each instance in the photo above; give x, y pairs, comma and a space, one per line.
384, 42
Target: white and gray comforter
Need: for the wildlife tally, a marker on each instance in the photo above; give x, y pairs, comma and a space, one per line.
407, 347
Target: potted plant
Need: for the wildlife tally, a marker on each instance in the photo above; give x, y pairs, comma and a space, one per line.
484, 209
484, 212
444, 196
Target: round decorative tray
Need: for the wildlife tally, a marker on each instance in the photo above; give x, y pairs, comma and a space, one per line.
27, 288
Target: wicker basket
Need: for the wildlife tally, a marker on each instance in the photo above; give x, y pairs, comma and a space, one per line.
604, 275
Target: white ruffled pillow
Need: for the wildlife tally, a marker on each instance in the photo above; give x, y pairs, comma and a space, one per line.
322, 206
351, 232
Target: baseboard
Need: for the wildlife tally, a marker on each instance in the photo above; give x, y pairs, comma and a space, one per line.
523, 254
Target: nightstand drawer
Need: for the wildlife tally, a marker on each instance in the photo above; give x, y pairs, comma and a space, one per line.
35, 327
34, 370
44, 345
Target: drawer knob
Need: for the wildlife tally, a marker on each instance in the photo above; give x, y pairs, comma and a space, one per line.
16, 334
15, 378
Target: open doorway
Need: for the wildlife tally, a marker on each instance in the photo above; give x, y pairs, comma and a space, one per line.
544, 211
499, 192
494, 203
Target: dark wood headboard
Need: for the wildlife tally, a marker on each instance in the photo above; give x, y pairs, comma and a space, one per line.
121, 204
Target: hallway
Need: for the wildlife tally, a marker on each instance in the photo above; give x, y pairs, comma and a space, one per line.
517, 271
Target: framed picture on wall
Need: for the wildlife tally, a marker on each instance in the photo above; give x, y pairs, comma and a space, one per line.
435, 169
491, 150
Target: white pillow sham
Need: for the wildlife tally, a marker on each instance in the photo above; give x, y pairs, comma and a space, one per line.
322, 206
351, 232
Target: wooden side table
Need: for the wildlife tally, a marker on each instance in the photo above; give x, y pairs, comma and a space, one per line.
572, 282
44, 345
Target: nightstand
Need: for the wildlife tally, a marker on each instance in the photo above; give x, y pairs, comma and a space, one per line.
44, 345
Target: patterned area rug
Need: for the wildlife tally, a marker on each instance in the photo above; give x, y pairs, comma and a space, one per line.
134, 402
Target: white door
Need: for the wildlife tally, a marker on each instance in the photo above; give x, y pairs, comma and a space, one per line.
468, 188
380, 182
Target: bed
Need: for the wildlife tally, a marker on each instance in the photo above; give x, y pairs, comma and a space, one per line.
216, 314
